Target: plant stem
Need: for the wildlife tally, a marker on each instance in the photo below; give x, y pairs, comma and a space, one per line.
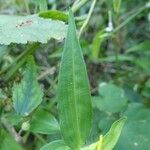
11, 130
88, 17
129, 19
27, 6
75, 3
78, 4
40, 138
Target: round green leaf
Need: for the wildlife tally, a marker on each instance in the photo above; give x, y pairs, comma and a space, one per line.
111, 99
136, 133
43, 122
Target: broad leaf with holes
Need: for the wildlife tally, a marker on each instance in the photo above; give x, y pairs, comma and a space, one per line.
74, 99
28, 94
21, 29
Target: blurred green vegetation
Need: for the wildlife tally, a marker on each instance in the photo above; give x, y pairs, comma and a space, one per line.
116, 47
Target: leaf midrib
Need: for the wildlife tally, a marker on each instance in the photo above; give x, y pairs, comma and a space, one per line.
28, 90
74, 88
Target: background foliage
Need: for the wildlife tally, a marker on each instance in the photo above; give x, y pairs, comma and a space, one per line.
116, 47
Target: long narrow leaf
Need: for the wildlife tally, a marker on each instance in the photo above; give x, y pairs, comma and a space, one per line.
74, 99
111, 138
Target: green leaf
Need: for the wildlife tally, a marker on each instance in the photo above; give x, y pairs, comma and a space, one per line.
18, 62
56, 145
96, 45
145, 46
121, 58
7, 142
14, 68
135, 134
112, 98
146, 90
43, 122
21, 29
90, 147
28, 94
13, 118
2, 95
143, 64
105, 122
117, 5
111, 138
74, 99
55, 15
3, 51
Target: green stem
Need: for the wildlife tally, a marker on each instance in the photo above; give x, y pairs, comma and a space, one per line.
78, 5
40, 138
27, 6
129, 19
75, 3
11, 130
88, 17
